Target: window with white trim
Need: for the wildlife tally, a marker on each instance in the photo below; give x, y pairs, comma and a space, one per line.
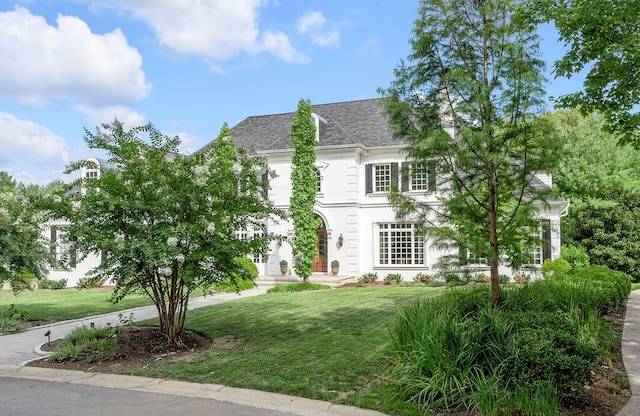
318, 179
400, 244
542, 251
258, 256
63, 250
382, 177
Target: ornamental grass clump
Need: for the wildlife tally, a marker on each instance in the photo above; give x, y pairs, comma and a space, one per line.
458, 353
89, 344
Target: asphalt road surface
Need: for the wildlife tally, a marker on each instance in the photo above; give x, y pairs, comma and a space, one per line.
25, 397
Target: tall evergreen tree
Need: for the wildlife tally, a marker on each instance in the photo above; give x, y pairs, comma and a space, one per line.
466, 102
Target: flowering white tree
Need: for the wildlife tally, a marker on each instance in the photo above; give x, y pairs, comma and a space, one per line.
23, 253
166, 223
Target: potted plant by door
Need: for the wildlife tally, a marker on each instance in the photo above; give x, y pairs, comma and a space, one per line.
335, 267
284, 266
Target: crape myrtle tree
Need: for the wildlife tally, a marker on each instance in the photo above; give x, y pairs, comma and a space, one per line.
466, 103
303, 181
602, 38
24, 256
166, 223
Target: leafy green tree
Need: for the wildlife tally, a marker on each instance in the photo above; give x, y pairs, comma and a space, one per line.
466, 102
602, 181
303, 198
23, 252
166, 223
602, 37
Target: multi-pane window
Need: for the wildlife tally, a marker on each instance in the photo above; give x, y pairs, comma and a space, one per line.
543, 250
413, 176
400, 244
91, 174
536, 253
62, 249
382, 178
318, 180
419, 177
257, 256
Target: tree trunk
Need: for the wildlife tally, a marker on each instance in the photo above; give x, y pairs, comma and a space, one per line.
493, 242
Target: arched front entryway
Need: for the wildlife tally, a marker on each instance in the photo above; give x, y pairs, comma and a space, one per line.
320, 263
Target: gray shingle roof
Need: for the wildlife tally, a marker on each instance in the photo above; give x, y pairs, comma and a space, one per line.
360, 122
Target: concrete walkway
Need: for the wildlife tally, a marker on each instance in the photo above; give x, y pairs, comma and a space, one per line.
631, 353
17, 349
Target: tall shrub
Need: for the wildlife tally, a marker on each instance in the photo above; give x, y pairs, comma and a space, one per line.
303, 181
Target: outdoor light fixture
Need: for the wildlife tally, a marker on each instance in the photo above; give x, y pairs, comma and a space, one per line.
48, 335
340, 240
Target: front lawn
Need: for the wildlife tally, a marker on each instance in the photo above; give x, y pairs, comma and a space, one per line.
65, 304
328, 344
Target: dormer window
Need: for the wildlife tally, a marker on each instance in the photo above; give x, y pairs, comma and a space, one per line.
320, 124
91, 170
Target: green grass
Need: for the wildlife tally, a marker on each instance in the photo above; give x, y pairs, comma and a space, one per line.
327, 344
635, 286
62, 305
298, 287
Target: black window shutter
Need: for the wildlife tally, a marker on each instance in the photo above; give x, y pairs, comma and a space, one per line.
431, 172
368, 179
462, 255
265, 184
394, 177
53, 242
546, 239
73, 256
405, 176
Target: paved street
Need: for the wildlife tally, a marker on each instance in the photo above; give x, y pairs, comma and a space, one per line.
25, 397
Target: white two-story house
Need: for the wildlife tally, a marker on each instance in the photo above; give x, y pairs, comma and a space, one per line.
357, 161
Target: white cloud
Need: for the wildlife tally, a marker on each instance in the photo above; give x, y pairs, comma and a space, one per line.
370, 48
30, 152
211, 29
278, 44
98, 115
189, 143
40, 63
312, 24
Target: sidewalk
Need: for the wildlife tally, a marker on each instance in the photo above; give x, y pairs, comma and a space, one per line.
631, 353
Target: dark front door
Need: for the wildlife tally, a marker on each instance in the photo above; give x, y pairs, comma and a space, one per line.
319, 264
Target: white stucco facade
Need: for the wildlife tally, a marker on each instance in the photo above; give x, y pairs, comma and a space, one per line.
348, 211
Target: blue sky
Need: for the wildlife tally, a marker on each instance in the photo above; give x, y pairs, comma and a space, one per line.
187, 66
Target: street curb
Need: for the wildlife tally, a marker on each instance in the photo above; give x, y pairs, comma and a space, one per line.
246, 397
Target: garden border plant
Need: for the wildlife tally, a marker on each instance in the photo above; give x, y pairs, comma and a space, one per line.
456, 353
